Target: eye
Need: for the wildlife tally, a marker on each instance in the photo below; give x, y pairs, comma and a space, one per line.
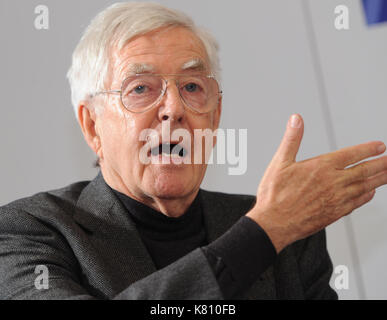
191, 87
139, 89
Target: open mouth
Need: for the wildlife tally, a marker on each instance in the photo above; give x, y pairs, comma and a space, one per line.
169, 149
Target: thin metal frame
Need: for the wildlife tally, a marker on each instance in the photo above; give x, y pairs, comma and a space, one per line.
164, 90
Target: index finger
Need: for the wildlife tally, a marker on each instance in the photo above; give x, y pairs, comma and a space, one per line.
351, 155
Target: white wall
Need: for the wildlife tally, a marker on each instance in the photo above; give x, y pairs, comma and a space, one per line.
275, 62
354, 65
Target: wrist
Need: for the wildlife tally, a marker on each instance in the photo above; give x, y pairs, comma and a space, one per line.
275, 232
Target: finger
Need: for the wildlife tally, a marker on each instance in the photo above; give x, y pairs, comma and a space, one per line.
290, 144
359, 188
356, 203
350, 155
365, 170
376, 181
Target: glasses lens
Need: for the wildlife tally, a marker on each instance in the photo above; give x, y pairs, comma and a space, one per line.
140, 92
199, 92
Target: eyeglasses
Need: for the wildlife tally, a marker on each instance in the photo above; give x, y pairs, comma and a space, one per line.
141, 92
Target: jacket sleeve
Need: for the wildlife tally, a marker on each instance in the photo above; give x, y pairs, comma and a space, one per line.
26, 242
190, 277
316, 268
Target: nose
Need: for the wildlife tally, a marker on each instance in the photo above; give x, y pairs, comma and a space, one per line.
171, 106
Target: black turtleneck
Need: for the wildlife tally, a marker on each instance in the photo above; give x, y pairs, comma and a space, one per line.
167, 239
237, 258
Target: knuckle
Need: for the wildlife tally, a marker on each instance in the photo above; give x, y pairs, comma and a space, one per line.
364, 171
320, 169
325, 161
384, 159
357, 190
292, 138
350, 210
341, 157
351, 205
364, 186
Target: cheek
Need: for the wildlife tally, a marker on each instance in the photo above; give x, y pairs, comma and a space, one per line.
115, 134
202, 141
121, 135
203, 121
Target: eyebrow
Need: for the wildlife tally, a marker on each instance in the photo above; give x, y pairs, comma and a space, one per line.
137, 68
194, 64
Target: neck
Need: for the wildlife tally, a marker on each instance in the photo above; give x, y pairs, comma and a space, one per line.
171, 207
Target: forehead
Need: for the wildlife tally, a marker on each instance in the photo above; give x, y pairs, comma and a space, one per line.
167, 50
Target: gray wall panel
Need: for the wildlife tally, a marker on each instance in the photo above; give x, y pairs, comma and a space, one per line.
354, 68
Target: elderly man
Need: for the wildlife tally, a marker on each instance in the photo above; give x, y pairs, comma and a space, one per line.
144, 229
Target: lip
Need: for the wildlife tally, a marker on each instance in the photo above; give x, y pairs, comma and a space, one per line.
170, 157
172, 149
169, 160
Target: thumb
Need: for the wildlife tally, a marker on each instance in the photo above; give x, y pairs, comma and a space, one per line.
290, 144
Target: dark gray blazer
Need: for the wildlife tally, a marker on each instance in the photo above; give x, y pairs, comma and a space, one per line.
84, 236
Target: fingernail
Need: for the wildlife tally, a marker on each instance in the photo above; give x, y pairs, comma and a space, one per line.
295, 121
381, 148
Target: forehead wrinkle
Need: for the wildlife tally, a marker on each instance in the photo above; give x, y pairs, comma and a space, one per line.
124, 68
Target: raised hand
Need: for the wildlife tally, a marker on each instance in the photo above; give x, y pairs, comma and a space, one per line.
297, 199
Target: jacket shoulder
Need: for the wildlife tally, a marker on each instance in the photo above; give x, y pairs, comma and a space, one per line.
34, 230
56, 200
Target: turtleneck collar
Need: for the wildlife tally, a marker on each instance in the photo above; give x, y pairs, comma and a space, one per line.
157, 225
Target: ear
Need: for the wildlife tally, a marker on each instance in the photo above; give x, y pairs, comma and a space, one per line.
87, 120
216, 119
217, 114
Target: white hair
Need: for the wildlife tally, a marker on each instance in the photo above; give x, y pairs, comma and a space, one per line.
117, 25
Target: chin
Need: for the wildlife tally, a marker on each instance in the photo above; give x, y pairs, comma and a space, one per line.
171, 186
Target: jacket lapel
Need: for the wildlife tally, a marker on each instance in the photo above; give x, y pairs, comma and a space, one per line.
118, 255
